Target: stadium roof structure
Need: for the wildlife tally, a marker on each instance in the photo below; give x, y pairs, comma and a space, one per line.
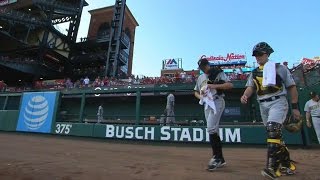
30, 43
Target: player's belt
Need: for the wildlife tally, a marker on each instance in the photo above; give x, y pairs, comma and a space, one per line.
270, 99
316, 116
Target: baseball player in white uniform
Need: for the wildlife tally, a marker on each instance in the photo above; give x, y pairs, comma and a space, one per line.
214, 105
312, 109
100, 114
170, 109
273, 107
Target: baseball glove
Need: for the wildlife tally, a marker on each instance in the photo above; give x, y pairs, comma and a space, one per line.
293, 125
213, 73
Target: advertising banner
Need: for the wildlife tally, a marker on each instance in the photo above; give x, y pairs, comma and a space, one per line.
231, 134
229, 59
306, 61
37, 112
170, 64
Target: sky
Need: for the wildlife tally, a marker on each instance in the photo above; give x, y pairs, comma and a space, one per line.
188, 29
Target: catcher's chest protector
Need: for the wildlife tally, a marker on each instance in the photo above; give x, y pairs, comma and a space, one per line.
257, 75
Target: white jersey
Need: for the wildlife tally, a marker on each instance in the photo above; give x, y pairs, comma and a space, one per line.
170, 101
203, 80
100, 111
287, 81
312, 107
86, 81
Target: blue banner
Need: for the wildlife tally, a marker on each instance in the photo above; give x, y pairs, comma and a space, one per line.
37, 112
237, 70
223, 62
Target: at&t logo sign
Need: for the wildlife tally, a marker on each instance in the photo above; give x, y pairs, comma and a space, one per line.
36, 112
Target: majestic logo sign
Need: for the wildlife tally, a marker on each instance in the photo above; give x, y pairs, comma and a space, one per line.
170, 64
36, 112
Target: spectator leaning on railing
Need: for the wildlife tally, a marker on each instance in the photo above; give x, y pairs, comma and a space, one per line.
86, 81
3, 86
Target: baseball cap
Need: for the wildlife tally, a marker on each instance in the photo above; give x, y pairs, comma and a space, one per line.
203, 62
313, 94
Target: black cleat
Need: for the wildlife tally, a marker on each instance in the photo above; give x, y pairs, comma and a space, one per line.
216, 163
270, 173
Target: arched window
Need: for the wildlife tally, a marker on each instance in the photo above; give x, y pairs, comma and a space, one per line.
127, 38
127, 32
104, 30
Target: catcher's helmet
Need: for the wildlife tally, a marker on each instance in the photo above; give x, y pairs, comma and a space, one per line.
293, 125
262, 47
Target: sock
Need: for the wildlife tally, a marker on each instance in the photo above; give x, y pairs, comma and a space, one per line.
212, 143
218, 145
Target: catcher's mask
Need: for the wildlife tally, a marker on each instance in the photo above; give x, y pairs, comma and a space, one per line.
262, 48
293, 125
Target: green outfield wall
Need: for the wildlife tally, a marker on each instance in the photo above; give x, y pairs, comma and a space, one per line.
233, 134
128, 113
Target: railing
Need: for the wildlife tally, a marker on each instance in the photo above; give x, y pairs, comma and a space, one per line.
125, 85
19, 60
100, 38
190, 120
9, 14
57, 5
105, 38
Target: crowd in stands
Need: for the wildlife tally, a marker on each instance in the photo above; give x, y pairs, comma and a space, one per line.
238, 74
178, 78
111, 82
89, 70
234, 67
234, 76
310, 67
17, 59
27, 60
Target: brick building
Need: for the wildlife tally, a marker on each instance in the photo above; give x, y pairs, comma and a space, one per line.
100, 24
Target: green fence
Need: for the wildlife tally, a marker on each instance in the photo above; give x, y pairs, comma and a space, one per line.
8, 120
229, 134
129, 109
